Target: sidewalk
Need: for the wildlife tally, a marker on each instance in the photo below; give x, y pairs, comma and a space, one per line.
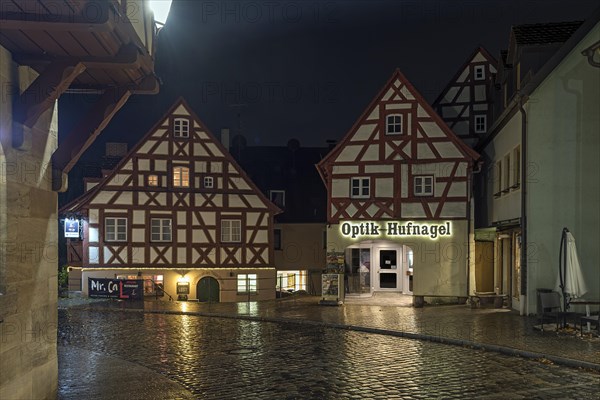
499, 330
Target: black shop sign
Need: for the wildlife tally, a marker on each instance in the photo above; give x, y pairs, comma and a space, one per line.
124, 289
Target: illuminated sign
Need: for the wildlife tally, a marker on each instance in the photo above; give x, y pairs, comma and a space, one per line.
395, 229
71, 228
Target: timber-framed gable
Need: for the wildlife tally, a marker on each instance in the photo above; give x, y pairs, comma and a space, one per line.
399, 161
173, 217
465, 104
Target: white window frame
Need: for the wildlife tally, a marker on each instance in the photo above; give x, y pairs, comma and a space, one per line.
247, 283
479, 69
480, 123
231, 231
421, 183
282, 192
179, 172
181, 128
395, 124
151, 178
115, 229
498, 178
359, 183
516, 175
208, 182
164, 231
507, 173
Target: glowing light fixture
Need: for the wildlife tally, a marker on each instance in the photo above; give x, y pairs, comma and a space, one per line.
160, 8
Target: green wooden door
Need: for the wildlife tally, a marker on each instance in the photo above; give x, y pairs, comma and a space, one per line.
207, 290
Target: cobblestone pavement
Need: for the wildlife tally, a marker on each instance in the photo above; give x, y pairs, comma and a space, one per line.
500, 328
224, 358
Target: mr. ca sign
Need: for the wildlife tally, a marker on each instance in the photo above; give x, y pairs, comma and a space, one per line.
395, 229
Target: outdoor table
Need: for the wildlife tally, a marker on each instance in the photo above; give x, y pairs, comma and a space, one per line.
587, 303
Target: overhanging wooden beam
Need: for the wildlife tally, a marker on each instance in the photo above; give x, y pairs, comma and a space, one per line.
84, 133
41, 95
97, 17
128, 57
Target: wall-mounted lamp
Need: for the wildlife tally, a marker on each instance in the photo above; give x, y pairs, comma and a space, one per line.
593, 54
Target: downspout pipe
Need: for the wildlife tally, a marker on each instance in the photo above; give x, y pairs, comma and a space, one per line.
523, 309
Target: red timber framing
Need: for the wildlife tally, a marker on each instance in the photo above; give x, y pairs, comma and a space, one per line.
194, 213
468, 96
391, 162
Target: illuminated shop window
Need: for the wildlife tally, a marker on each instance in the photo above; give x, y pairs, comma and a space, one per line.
247, 283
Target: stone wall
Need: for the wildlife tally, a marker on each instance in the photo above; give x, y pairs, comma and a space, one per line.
28, 248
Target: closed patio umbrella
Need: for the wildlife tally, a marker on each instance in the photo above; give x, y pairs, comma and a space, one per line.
570, 280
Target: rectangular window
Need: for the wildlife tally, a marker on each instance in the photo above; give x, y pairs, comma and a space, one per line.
506, 178
231, 231
498, 179
208, 182
393, 124
479, 72
423, 185
115, 229
152, 180
360, 188
277, 197
277, 239
480, 123
181, 128
181, 177
160, 229
247, 283
516, 182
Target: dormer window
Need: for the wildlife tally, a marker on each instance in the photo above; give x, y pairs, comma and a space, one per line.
479, 72
393, 124
181, 128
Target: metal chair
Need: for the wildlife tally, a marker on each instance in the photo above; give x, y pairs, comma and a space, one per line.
592, 319
551, 307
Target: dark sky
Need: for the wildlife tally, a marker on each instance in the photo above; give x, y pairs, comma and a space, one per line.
307, 69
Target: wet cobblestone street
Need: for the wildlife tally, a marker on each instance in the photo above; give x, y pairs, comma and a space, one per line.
217, 358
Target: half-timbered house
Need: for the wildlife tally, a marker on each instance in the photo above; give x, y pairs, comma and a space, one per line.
177, 209
399, 189
465, 103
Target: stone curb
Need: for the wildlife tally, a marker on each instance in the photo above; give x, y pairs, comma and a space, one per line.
569, 362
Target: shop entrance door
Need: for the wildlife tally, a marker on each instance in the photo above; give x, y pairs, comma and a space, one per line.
207, 290
388, 274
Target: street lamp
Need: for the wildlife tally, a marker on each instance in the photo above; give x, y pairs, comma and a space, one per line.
160, 8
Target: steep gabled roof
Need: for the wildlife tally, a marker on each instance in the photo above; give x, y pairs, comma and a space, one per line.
465, 150
478, 50
540, 34
81, 202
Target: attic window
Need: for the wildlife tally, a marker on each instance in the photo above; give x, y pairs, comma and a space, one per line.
277, 197
393, 124
479, 72
181, 128
480, 123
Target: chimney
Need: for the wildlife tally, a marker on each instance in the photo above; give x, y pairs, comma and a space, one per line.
225, 138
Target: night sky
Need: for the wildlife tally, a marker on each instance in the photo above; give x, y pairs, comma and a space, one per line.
276, 70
